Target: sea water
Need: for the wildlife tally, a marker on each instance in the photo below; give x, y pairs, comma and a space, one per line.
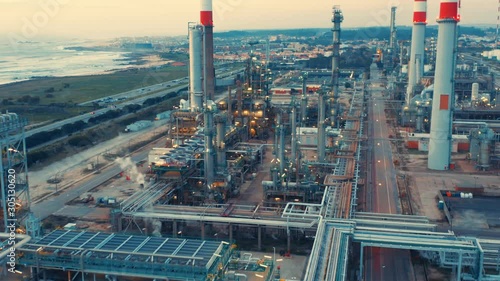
28, 60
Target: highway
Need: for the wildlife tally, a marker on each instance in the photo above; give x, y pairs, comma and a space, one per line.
86, 116
176, 86
51, 205
382, 194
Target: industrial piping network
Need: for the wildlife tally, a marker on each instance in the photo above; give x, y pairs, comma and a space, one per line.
416, 63
443, 99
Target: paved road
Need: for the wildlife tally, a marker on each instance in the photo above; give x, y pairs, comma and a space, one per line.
47, 207
85, 117
382, 264
181, 84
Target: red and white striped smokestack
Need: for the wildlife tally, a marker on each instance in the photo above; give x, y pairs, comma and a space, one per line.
416, 69
449, 10
206, 16
444, 97
420, 11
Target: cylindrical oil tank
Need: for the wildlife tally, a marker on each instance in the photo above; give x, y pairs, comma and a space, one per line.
474, 147
195, 67
475, 92
484, 160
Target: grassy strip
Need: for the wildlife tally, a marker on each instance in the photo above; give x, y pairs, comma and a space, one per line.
78, 89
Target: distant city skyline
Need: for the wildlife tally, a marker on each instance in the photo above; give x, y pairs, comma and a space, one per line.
28, 20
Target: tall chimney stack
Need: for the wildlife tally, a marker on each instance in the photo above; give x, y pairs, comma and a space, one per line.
444, 96
416, 69
206, 19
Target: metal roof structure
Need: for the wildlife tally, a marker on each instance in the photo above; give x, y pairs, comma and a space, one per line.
127, 255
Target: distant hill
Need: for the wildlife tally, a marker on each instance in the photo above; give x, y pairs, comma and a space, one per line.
323, 35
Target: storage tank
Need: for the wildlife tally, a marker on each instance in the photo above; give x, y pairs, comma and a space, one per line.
195, 67
475, 92
484, 158
474, 147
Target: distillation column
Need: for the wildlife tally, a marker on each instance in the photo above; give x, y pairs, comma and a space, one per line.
209, 162
281, 151
444, 96
220, 122
393, 39
303, 102
293, 156
321, 127
337, 20
195, 67
416, 64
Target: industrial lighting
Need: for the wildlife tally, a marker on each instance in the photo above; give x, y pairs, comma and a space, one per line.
268, 257
258, 275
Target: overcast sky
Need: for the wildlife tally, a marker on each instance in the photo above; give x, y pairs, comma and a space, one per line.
113, 18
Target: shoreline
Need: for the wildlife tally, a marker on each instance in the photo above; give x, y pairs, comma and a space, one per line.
132, 61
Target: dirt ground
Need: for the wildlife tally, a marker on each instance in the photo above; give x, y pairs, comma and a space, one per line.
74, 168
425, 184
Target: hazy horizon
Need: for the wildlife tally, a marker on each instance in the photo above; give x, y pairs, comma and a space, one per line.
34, 20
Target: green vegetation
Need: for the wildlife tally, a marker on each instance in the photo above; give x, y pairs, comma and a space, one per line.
81, 134
78, 89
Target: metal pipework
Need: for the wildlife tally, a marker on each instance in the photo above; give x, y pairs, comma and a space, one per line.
195, 67
321, 127
444, 96
25, 239
337, 20
416, 64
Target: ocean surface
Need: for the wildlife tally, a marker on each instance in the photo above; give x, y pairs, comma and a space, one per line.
27, 60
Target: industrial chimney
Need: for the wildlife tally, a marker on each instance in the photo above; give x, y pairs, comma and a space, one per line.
444, 96
416, 68
206, 20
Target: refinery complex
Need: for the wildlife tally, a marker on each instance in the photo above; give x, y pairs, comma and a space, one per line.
273, 170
